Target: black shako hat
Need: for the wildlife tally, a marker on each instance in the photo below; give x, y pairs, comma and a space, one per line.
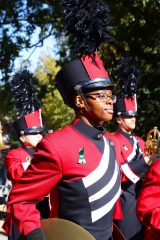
129, 74
86, 24
84, 72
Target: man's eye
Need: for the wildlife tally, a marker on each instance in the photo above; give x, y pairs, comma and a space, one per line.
101, 96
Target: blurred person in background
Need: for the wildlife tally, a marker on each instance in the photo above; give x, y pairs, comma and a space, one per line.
29, 131
133, 161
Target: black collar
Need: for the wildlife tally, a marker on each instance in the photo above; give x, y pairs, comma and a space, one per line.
87, 130
30, 151
125, 134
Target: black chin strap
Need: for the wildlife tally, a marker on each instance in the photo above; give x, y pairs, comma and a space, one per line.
79, 92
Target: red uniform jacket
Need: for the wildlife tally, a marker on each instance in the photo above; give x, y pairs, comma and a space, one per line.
77, 166
17, 161
148, 203
131, 170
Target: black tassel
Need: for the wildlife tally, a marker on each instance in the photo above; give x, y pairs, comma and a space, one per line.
87, 25
129, 75
23, 88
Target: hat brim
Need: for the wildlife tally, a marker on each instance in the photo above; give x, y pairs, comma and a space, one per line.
32, 131
99, 83
129, 114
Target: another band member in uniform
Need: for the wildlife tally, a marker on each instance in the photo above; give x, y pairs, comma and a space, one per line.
148, 202
133, 162
29, 129
76, 164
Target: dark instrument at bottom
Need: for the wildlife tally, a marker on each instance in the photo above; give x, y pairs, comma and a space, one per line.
61, 229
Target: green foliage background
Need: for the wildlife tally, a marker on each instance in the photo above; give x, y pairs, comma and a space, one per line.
55, 113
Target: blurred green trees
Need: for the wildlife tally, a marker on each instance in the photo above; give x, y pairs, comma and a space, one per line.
136, 32
55, 113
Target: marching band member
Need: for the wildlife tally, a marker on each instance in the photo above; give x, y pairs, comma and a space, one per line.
148, 202
134, 163
29, 129
148, 198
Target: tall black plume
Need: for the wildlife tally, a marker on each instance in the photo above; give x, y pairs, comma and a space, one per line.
87, 25
23, 88
129, 75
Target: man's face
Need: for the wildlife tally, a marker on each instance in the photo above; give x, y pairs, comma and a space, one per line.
100, 106
127, 123
31, 140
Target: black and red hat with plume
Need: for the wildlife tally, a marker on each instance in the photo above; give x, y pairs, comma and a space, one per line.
128, 77
27, 104
86, 25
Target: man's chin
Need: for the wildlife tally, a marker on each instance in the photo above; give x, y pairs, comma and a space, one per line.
109, 117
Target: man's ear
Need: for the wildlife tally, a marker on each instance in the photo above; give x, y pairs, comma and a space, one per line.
79, 101
22, 138
118, 119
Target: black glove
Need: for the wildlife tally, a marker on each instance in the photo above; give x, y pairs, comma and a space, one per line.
36, 234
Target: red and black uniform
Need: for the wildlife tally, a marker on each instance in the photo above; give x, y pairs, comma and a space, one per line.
77, 166
148, 202
17, 161
133, 168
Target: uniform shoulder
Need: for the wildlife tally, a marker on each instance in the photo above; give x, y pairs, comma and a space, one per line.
139, 138
113, 135
15, 151
110, 134
62, 132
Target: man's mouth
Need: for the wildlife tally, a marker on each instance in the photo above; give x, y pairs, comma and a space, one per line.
109, 110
